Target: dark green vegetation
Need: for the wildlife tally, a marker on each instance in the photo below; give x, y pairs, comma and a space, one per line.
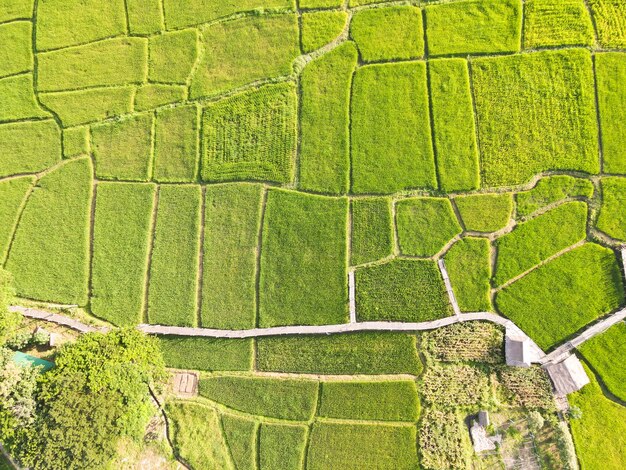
372, 230
551, 190
557, 299
535, 241
363, 353
485, 212
602, 353
388, 33
469, 266
395, 94
612, 218
600, 434
401, 290
562, 132
425, 225
206, 353
303, 260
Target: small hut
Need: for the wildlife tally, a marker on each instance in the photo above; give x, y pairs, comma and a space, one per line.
517, 351
567, 376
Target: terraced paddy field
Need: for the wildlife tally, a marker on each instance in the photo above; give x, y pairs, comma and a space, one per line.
255, 164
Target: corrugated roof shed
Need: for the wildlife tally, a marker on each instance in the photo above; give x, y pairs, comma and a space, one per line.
567, 376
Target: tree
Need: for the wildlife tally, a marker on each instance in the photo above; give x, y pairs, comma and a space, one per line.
9, 321
97, 393
536, 421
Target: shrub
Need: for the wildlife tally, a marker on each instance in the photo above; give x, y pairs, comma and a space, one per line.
534, 241
397, 155
468, 341
558, 86
324, 121
251, 135
473, 26
550, 23
535, 421
320, 28
376, 401
173, 286
348, 445
468, 263
388, 33
527, 387
401, 290
612, 219
453, 125
229, 61
291, 399
485, 212
207, 353
231, 235
362, 353
303, 260
610, 76
425, 225
372, 230
49, 257
550, 190
120, 251
558, 299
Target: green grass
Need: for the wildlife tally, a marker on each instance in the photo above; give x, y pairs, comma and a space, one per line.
75, 141
534, 241
180, 13
87, 106
469, 266
474, 27
62, 23
362, 353
172, 56
154, 95
120, 251
14, 9
360, 446
49, 258
18, 100
120, 61
208, 354
176, 145
29, 147
393, 33
425, 225
321, 27
372, 230
560, 134
12, 195
551, 23
122, 149
556, 300
173, 286
401, 290
485, 212
251, 135
232, 223
229, 61
303, 260
550, 190
197, 435
398, 155
281, 446
144, 16
609, 17
453, 125
612, 218
241, 434
603, 353
324, 121
610, 76
16, 54
380, 401
291, 399
600, 435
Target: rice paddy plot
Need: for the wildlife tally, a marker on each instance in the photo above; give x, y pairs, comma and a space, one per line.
469, 266
208, 354
554, 23
18, 99
609, 17
13, 194
321, 27
372, 230
29, 147
551, 190
485, 212
176, 136
241, 437
172, 56
282, 446
612, 217
16, 54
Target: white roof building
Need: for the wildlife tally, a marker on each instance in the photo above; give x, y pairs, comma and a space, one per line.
567, 376
517, 351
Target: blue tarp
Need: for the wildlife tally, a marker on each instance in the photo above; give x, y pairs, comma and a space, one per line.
22, 358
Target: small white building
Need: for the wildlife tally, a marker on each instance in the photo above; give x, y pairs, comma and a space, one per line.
517, 351
567, 376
